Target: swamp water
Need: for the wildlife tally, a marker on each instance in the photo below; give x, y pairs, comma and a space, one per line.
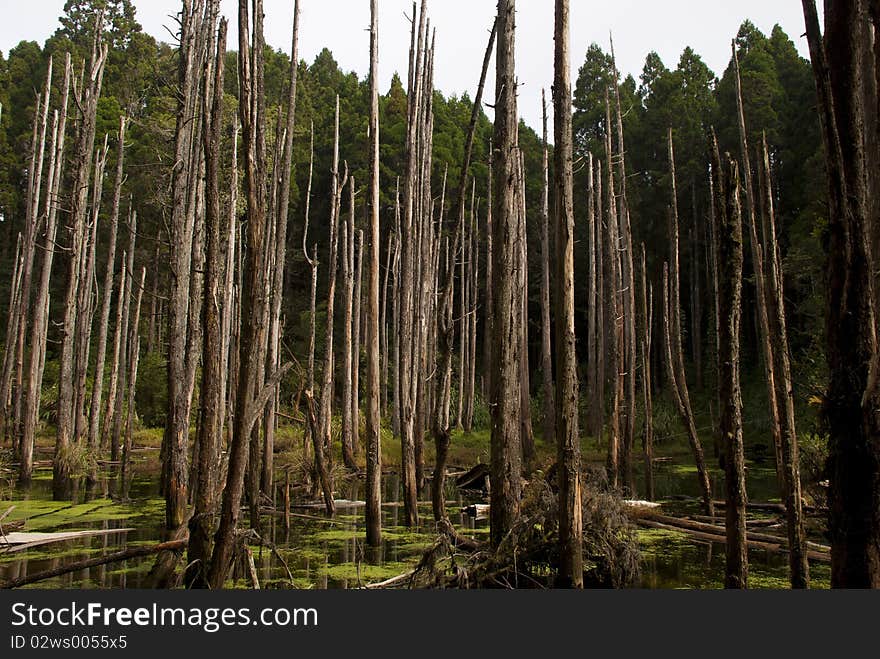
323, 553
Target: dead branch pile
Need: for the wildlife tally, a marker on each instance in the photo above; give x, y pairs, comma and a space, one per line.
529, 554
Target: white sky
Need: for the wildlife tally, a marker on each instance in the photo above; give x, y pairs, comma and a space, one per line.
639, 26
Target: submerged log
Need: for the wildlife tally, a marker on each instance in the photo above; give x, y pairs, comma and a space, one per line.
135, 552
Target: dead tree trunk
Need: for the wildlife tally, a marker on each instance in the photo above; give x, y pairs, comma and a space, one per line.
728, 226
506, 457
40, 323
210, 428
647, 302
249, 401
798, 564
282, 211
672, 339
571, 572
546, 353
103, 328
356, 346
347, 274
134, 347
126, 286
527, 435
85, 142
760, 282
445, 329
375, 383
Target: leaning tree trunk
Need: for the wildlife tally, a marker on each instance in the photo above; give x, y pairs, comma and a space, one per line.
506, 456
728, 228
672, 339
798, 564
571, 572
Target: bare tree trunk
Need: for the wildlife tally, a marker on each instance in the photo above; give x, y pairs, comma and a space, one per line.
40, 323
760, 282
313, 264
602, 262
506, 457
546, 353
85, 141
525, 391
373, 512
347, 274
338, 183
568, 472
103, 329
249, 401
489, 314
210, 426
126, 286
396, 323
229, 301
647, 302
281, 219
356, 346
445, 329
798, 564
614, 313
385, 355
134, 347
629, 303
672, 339
728, 225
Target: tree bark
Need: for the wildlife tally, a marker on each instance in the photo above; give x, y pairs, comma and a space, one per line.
672, 339
546, 353
506, 457
571, 573
347, 274
647, 302
728, 226
103, 328
852, 399
373, 512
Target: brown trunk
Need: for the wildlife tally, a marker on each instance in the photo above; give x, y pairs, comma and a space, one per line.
568, 443
672, 340
373, 512
506, 457
647, 302
103, 328
760, 282
546, 354
728, 228
614, 312
134, 347
209, 434
356, 346
82, 169
126, 287
527, 436
347, 275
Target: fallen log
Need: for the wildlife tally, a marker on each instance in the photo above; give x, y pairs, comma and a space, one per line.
476, 479
718, 535
16, 542
135, 552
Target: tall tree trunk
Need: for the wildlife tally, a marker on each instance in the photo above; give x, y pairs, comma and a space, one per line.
571, 573
85, 142
373, 512
126, 287
728, 225
647, 302
672, 339
615, 312
103, 328
347, 274
760, 282
210, 428
134, 347
249, 401
445, 329
281, 220
506, 457
527, 436
356, 346
546, 353
40, 323
798, 564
